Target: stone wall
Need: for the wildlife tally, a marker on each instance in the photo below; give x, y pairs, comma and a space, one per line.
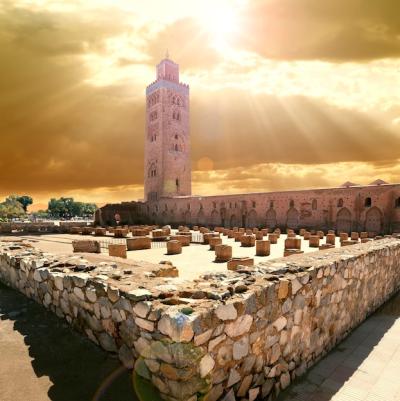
372, 208
41, 228
243, 334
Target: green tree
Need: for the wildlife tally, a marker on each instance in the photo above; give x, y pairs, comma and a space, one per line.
25, 201
67, 208
11, 208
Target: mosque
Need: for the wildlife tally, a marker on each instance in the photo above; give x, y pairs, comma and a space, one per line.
168, 197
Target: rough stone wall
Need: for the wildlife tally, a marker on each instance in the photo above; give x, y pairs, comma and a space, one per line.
243, 334
48, 227
341, 209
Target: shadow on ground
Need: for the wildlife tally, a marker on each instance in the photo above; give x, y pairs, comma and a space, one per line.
329, 375
66, 366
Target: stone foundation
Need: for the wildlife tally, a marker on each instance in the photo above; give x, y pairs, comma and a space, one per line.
247, 333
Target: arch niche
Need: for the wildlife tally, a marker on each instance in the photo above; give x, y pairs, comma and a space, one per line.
187, 217
373, 220
234, 222
343, 221
271, 218
201, 218
251, 219
292, 220
215, 218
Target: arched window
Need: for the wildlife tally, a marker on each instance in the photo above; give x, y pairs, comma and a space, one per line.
271, 204
397, 202
314, 204
291, 203
253, 203
368, 202
340, 203
177, 183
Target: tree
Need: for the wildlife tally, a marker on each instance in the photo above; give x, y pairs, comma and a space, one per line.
25, 201
11, 208
67, 208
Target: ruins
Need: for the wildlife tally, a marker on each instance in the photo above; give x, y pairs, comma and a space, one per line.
312, 265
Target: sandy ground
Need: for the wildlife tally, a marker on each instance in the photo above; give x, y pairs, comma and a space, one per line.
194, 260
42, 358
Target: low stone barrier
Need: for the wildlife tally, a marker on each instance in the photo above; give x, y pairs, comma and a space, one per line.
174, 247
117, 250
243, 334
88, 246
138, 243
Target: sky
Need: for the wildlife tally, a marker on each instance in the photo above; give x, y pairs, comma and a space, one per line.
285, 94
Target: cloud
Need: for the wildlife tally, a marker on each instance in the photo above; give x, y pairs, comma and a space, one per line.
340, 30
186, 41
231, 128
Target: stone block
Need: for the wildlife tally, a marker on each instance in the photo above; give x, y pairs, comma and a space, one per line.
326, 246
174, 247
292, 243
307, 235
263, 248
363, 234
213, 241
354, 236
289, 252
314, 241
75, 230
117, 250
321, 234
121, 232
302, 231
264, 232
100, 231
134, 244
183, 239
248, 240
259, 235
348, 242
364, 240
343, 237
195, 228
235, 262
88, 246
238, 236
223, 253
273, 238
87, 230
330, 238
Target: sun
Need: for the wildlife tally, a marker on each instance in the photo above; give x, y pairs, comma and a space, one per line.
221, 24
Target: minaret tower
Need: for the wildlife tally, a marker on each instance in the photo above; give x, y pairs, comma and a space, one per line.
167, 168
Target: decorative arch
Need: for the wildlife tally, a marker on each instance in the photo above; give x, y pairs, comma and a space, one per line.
187, 217
292, 218
201, 218
271, 218
177, 143
374, 220
343, 220
215, 218
234, 221
164, 218
251, 219
340, 202
314, 204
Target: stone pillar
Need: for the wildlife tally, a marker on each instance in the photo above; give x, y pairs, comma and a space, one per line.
263, 248
273, 238
174, 247
99, 231
330, 239
259, 235
314, 241
117, 250
248, 240
223, 253
213, 241
292, 243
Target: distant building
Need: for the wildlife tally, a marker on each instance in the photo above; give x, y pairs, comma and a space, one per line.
167, 183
